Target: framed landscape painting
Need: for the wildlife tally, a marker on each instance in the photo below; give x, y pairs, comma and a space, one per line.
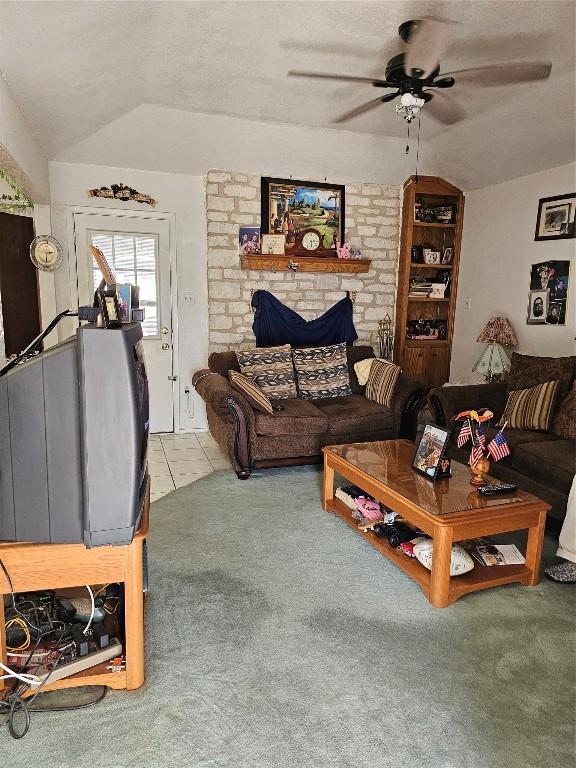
290, 206
555, 220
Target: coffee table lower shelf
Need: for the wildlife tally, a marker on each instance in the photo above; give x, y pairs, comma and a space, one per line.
480, 577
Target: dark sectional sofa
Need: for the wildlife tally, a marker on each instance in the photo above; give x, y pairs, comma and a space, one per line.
297, 433
541, 463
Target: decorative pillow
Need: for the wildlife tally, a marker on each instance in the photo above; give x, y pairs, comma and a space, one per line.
565, 422
362, 368
271, 369
322, 372
251, 392
527, 371
531, 408
382, 381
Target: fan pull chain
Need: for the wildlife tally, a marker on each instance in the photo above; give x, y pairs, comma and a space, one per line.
418, 147
408, 138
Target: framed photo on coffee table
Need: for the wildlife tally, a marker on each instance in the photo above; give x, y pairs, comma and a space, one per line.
431, 450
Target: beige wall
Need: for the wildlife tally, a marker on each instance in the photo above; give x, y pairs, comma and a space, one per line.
498, 249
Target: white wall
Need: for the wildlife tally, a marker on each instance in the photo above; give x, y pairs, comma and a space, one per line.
22, 149
180, 195
162, 139
498, 249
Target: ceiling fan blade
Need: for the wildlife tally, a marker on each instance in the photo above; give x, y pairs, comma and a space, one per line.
444, 109
366, 107
343, 78
503, 74
426, 46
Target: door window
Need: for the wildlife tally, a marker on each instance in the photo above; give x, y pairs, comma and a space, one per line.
133, 258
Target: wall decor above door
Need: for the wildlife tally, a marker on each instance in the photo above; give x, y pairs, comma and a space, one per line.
122, 192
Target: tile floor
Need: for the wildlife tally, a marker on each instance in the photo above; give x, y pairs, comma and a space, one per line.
176, 460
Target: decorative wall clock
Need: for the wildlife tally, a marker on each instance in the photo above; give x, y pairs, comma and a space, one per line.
46, 253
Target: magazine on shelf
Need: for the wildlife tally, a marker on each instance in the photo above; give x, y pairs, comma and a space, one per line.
498, 554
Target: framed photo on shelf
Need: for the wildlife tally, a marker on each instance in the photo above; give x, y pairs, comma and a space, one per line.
273, 245
290, 206
430, 452
249, 240
555, 219
447, 255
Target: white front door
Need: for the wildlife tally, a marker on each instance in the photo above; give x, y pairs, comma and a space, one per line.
138, 251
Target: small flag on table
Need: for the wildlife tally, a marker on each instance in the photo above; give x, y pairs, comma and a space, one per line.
480, 436
465, 434
498, 447
476, 454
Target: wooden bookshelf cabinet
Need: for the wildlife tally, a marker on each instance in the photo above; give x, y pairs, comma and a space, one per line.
427, 359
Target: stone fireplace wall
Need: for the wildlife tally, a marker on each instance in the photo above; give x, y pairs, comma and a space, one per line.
372, 225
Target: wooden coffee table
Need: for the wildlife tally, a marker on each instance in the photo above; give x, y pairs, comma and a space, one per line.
447, 510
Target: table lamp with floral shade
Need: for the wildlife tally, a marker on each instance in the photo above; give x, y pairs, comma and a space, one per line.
494, 363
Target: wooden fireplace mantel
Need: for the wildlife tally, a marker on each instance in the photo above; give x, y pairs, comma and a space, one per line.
303, 263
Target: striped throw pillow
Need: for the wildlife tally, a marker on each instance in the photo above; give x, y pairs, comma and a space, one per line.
531, 408
271, 369
251, 392
322, 372
382, 381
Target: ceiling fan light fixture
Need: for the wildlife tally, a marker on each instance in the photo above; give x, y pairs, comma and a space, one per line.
409, 108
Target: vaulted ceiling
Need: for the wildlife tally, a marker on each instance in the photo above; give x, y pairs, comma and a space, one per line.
76, 67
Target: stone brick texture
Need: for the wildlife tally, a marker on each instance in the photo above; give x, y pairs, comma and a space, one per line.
372, 225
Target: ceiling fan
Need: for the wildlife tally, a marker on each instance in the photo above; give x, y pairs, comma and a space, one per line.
416, 79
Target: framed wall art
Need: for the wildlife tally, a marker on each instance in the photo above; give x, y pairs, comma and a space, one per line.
290, 206
555, 220
548, 295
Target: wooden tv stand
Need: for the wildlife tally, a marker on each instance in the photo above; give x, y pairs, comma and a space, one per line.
34, 567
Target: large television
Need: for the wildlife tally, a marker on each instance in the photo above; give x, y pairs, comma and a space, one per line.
73, 440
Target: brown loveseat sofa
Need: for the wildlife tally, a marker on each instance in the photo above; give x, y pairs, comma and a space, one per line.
541, 463
297, 433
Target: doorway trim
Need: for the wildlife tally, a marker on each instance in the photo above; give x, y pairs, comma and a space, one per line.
118, 213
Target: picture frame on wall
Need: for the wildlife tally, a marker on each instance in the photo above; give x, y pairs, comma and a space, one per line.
537, 307
290, 206
555, 219
548, 294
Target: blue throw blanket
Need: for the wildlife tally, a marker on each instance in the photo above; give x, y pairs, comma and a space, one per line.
275, 323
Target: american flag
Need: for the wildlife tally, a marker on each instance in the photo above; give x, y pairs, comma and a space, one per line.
465, 434
480, 436
476, 454
498, 447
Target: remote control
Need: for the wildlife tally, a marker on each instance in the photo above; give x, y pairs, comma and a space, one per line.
494, 490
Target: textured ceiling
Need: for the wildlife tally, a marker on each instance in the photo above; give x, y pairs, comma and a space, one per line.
75, 67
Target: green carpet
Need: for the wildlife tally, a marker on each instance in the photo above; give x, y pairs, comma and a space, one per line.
276, 637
